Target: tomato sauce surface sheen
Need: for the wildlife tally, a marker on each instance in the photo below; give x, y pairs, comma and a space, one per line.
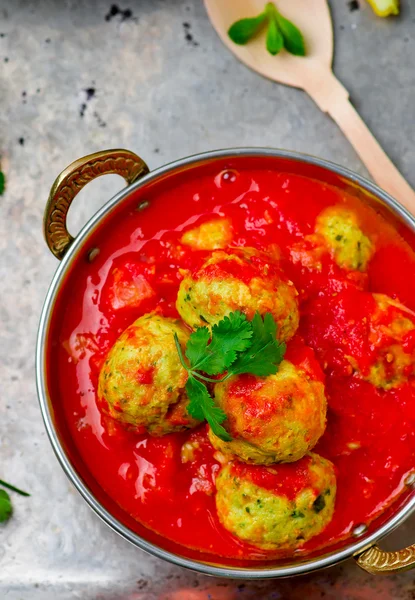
369, 435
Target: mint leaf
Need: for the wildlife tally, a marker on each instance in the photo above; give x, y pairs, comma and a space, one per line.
2, 183
5, 506
292, 36
280, 33
202, 406
265, 353
242, 31
275, 41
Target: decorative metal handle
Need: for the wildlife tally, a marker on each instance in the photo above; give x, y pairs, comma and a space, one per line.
379, 561
73, 179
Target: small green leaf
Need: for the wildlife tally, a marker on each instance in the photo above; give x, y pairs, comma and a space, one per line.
2, 182
220, 431
214, 353
5, 506
265, 353
197, 346
242, 31
202, 406
293, 38
231, 335
275, 41
197, 393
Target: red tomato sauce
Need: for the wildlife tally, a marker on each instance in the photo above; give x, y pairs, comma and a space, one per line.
287, 479
370, 432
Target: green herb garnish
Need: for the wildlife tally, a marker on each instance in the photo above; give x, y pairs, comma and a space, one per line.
6, 508
2, 182
293, 38
281, 33
234, 346
245, 29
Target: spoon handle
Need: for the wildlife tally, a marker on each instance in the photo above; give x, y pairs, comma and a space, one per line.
372, 154
333, 98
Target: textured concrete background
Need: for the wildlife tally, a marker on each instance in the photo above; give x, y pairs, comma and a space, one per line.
163, 89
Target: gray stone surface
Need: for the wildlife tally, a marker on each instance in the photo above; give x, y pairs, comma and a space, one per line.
163, 96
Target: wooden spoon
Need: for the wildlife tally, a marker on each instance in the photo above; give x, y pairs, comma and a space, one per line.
314, 75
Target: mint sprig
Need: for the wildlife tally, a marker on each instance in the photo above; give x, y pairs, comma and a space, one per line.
281, 33
6, 508
234, 346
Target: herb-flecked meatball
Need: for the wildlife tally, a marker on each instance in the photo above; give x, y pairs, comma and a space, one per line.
278, 507
335, 256
211, 235
392, 339
247, 281
272, 419
345, 240
142, 381
369, 336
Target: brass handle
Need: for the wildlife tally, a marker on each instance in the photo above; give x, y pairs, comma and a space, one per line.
73, 179
379, 561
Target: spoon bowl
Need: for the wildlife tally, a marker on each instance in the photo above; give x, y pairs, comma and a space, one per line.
313, 74
313, 19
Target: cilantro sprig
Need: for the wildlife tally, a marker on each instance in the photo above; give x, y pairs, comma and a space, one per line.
281, 33
6, 508
235, 346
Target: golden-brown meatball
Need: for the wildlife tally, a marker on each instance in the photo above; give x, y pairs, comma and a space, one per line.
335, 255
278, 507
211, 235
340, 229
392, 339
142, 381
245, 280
272, 419
369, 336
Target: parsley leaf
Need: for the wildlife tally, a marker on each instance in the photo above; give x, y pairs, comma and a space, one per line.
5, 506
196, 349
243, 30
2, 183
231, 335
265, 353
202, 406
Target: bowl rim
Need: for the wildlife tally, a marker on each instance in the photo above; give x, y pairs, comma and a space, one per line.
305, 566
